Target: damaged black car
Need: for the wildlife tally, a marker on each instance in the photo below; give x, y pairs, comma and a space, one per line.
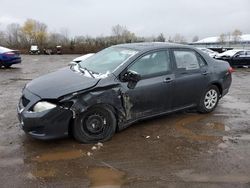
119, 86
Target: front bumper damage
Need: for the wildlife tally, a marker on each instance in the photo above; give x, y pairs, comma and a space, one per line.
44, 125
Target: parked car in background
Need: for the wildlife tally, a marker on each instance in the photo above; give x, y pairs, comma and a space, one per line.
81, 58
34, 50
118, 86
9, 57
236, 58
59, 50
211, 53
48, 51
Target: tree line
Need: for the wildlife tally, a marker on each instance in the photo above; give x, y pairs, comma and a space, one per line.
33, 32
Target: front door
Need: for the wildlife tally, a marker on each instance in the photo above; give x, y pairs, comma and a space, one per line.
153, 93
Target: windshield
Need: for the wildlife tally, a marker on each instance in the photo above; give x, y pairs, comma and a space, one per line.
107, 60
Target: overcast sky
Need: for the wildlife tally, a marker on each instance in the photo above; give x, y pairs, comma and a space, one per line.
143, 17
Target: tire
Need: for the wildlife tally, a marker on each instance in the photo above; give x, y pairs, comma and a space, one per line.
98, 124
209, 100
7, 66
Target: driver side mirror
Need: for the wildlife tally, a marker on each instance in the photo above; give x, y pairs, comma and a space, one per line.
131, 76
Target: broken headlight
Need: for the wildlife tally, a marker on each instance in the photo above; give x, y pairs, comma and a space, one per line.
42, 106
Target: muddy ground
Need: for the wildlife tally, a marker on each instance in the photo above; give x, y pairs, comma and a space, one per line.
184, 149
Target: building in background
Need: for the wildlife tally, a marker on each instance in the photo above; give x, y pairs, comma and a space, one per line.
224, 42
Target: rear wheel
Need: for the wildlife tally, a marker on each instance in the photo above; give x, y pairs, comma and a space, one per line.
95, 125
209, 100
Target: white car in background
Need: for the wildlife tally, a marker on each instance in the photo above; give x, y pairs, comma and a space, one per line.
211, 53
229, 53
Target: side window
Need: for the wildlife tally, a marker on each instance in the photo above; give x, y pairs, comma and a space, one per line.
152, 64
186, 60
240, 54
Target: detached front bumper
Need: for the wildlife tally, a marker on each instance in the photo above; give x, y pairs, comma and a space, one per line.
44, 125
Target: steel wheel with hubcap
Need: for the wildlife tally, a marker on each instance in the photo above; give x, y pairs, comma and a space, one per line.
97, 124
209, 100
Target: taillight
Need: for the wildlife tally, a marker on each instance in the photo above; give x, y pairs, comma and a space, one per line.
230, 70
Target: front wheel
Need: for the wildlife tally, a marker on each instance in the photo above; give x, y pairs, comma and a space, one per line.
209, 100
98, 124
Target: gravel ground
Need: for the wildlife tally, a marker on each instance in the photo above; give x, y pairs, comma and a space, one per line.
179, 150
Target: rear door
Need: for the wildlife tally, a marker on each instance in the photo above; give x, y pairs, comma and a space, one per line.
191, 77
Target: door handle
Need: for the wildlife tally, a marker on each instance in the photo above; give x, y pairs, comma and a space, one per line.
167, 80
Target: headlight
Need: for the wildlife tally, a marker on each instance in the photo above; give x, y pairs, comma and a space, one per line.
42, 106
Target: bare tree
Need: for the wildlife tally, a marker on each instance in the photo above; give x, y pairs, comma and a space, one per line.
13, 32
122, 34
179, 38
222, 38
2, 38
119, 30
236, 35
34, 32
65, 36
160, 38
195, 38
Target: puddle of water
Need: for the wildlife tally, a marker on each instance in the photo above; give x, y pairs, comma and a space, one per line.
181, 127
104, 177
217, 126
10, 162
57, 156
189, 176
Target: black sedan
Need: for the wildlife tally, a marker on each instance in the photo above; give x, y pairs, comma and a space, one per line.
121, 85
236, 58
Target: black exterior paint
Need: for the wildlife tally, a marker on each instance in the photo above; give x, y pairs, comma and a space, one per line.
75, 93
241, 58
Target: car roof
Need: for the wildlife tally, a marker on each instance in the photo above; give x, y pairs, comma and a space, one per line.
3, 49
145, 46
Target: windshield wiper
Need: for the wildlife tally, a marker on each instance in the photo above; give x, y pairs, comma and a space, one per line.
85, 69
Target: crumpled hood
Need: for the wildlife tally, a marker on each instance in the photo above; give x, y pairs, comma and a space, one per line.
59, 83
